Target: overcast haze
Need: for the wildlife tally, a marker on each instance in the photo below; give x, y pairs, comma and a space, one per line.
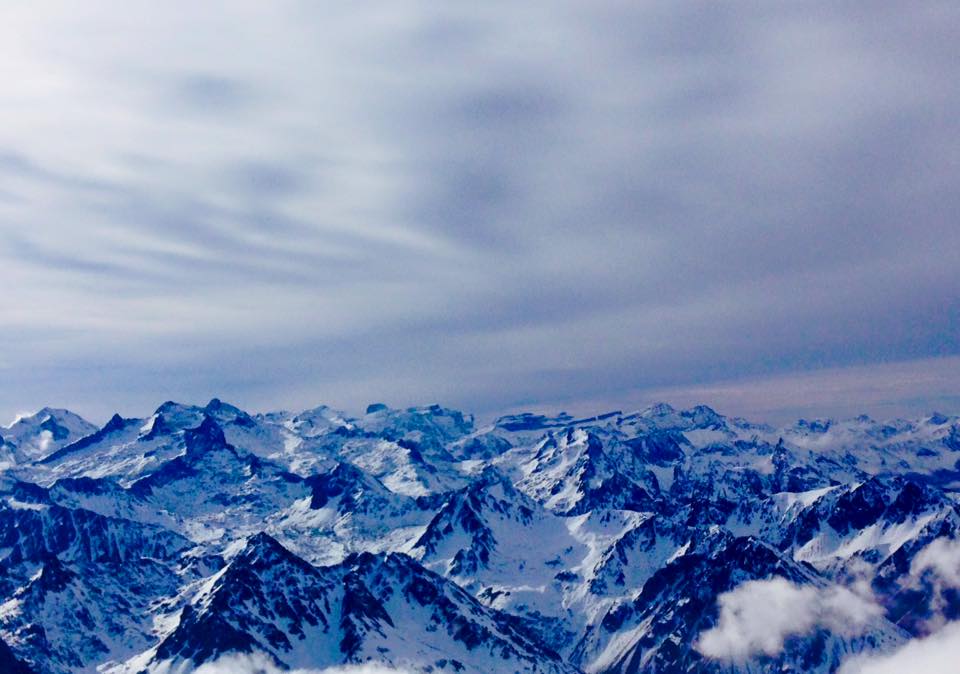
489, 205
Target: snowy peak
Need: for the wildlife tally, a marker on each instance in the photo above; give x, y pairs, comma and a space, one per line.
38, 435
432, 426
576, 470
462, 524
354, 489
679, 602
263, 552
865, 522
269, 601
264, 598
114, 426
453, 631
228, 414
319, 421
702, 416
36, 532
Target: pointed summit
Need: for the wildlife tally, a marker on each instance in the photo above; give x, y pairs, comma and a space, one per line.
160, 426
659, 410
264, 551
38, 435
226, 413
703, 416
115, 425
206, 437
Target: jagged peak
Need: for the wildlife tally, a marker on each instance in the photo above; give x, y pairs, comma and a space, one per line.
56, 413
227, 413
208, 436
345, 473
703, 416
262, 552
115, 423
814, 425
171, 406
263, 540
214, 405
660, 409
343, 477
159, 426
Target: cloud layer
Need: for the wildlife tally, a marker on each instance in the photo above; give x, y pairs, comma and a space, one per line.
937, 653
758, 616
491, 205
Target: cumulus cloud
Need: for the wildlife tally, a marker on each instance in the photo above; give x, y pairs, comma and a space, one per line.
942, 557
44, 440
937, 567
261, 664
936, 654
758, 616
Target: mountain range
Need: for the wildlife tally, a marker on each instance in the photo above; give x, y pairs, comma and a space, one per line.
422, 540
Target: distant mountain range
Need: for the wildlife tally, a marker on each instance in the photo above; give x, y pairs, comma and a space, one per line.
417, 539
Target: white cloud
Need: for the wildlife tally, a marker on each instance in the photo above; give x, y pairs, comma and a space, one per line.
937, 654
43, 442
757, 616
942, 557
938, 562
466, 201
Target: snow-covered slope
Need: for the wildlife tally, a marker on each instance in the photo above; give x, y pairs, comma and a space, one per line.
37, 435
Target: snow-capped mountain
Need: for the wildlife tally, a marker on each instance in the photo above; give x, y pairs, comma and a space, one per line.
423, 540
34, 436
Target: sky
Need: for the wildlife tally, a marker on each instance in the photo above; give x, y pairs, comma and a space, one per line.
490, 205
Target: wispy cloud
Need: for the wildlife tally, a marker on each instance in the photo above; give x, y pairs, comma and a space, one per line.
514, 203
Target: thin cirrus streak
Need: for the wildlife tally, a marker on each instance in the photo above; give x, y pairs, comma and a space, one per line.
557, 200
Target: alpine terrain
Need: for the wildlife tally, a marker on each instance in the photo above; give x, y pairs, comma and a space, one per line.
420, 540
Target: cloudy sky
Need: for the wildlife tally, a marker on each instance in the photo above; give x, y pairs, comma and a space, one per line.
490, 205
